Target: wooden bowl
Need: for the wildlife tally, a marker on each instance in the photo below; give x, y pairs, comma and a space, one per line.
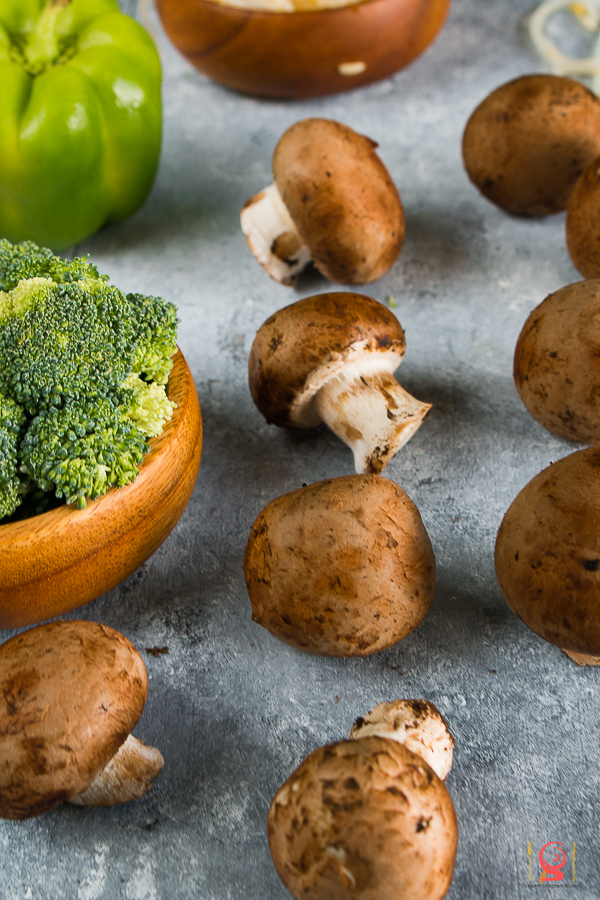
59, 560
301, 54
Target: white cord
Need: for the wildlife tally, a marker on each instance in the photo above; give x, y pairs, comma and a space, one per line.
588, 15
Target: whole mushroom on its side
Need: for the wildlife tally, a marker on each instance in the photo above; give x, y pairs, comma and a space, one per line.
557, 362
548, 555
582, 226
343, 567
331, 358
365, 819
527, 143
332, 202
70, 694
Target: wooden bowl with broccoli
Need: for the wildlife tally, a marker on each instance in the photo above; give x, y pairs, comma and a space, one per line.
100, 432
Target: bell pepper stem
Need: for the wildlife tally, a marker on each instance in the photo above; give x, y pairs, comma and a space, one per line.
43, 47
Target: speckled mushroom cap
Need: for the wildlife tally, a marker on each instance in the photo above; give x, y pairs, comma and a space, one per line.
548, 553
528, 142
343, 567
303, 345
70, 693
341, 199
557, 362
363, 820
582, 227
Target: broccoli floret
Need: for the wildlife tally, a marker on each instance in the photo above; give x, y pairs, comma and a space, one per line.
12, 487
60, 341
156, 338
80, 451
147, 405
27, 260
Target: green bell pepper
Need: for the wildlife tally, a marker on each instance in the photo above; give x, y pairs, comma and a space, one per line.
80, 118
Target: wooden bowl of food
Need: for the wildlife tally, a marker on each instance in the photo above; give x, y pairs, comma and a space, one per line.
59, 560
305, 52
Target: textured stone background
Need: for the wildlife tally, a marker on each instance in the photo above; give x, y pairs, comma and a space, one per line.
233, 710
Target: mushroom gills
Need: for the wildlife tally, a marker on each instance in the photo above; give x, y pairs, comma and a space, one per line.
272, 236
127, 776
369, 410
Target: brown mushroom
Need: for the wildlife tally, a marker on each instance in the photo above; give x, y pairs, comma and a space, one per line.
330, 358
548, 555
583, 222
527, 143
343, 567
557, 362
332, 202
417, 724
364, 819
70, 694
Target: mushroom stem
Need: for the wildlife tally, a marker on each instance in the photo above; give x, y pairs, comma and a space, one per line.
272, 236
366, 407
583, 659
417, 724
128, 776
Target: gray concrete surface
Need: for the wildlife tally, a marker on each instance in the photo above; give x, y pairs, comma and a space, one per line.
233, 710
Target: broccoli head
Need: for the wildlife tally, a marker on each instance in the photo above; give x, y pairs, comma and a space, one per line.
156, 338
19, 262
12, 487
60, 341
81, 450
82, 375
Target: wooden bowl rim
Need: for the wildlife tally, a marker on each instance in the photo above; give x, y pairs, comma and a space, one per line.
15, 531
286, 16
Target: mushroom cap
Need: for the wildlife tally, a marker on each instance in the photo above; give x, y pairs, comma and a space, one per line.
343, 567
527, 143
70, 693
303, 345
583, 222
557, 362
363, 820
548, 553
417, 724
341, 198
